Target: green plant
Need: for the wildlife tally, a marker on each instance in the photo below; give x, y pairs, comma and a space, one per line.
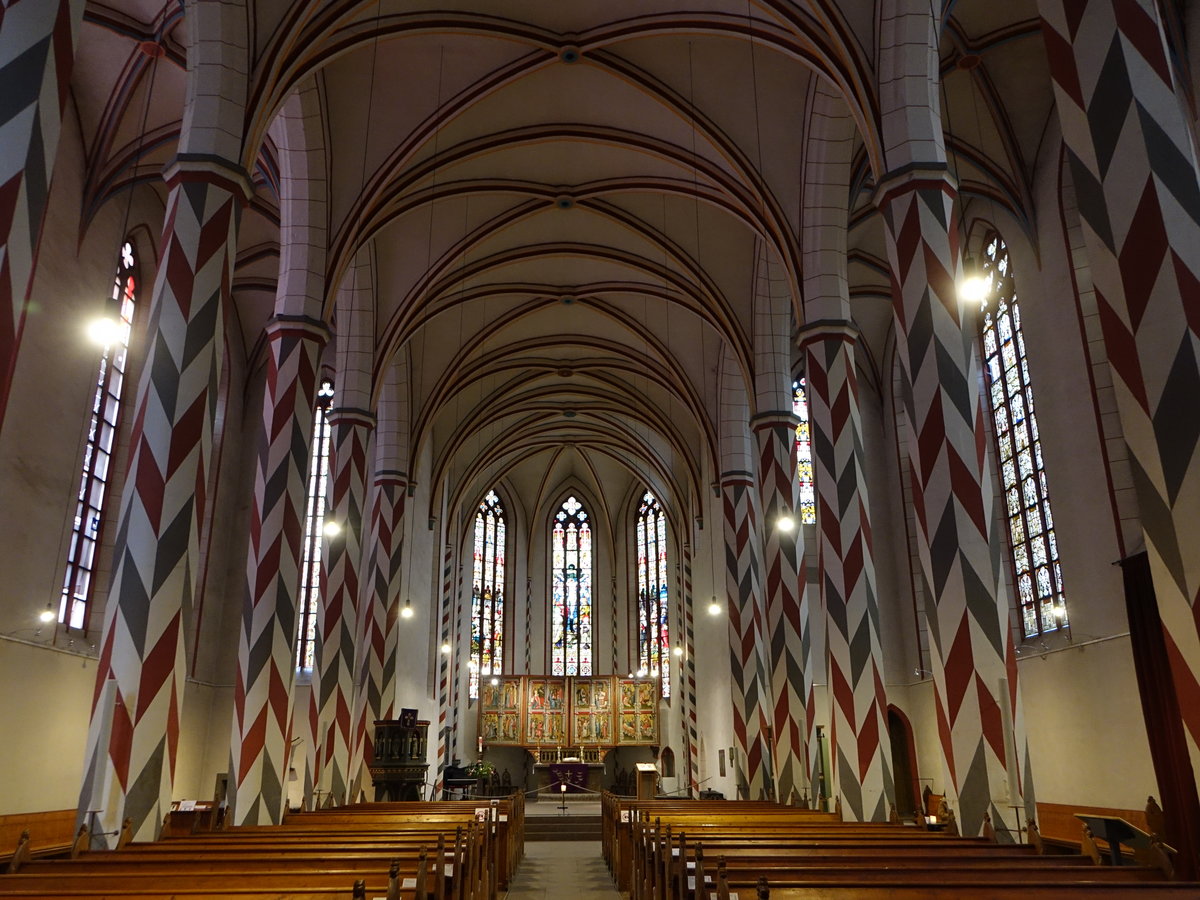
481, 769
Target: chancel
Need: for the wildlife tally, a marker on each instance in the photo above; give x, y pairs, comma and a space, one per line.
412, 410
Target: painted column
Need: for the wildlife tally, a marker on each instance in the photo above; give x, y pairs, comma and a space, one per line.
446, 672
375, 683
690, 726
783, 594
266, 676
1134, 166
751, 688
859, 747
129, 761
977, 703
37, 52
333, 676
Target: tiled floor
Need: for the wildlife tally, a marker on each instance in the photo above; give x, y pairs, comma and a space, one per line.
562, 870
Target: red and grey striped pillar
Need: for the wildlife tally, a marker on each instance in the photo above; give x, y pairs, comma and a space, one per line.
783, 595
747, 628
860, 752
37, 51
134, 731
264, 690
1131, 146
333, 675
977, 703
375, 684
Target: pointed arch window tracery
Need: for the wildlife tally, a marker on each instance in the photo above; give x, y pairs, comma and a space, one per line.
314, 524
487, 592
571, 590
653, 636
1036, 569
804, 457
95, 473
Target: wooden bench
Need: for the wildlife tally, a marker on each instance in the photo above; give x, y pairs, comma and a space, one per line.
435, 854
681, 851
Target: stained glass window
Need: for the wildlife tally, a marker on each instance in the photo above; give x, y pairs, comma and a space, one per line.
804, 459
571, 588
487, 592
314, 523
653, 640
97, 453
1036, 569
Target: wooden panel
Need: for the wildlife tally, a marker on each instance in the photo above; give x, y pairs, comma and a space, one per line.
53, 829
1057, 820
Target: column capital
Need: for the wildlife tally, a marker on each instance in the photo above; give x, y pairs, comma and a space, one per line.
351, 415
391, 476
911, 177
827, 330
736, 476
212, 169
773, 418
300, 326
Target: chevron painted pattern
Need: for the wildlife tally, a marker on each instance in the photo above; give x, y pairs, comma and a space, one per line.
375, 683
263, 693
333, 675
132, 741
445, 664
974, 660
1134, 165
37, 49
784, 582
859, 747
749, 668
690, 728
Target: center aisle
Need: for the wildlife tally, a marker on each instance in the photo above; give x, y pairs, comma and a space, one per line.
554, 870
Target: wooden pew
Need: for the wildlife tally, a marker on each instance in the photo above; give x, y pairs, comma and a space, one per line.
666, 851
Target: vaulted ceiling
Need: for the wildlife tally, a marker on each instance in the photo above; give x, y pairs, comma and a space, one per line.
564, 202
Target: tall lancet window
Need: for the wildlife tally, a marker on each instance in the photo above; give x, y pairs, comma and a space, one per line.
804, 458
97, 452
571, 588
487, 592
653, 639
314, 525
1036, 569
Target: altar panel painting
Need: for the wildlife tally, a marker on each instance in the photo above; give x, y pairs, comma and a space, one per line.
592, 711
500, 711
546, 713
637, 712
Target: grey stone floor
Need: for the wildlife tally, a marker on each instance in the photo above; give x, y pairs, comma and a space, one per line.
562, 870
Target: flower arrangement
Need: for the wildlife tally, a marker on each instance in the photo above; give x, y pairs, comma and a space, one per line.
481, 769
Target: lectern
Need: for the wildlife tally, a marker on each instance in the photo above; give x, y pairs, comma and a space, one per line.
647, 781
398, 769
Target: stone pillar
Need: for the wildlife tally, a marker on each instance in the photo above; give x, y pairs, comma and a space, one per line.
448, 670
747, 638
37, 51
375, 682
859, 747
786, 610
263, 694
333, 675
974, 663
1133, 161
688, 677
129, 762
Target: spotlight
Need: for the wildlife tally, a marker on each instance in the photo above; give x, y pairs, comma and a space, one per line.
331, 528
446, 648
975, 285
46, 615
103, 331
785, 523
678, 651
714, 608
407, 612
495, 681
